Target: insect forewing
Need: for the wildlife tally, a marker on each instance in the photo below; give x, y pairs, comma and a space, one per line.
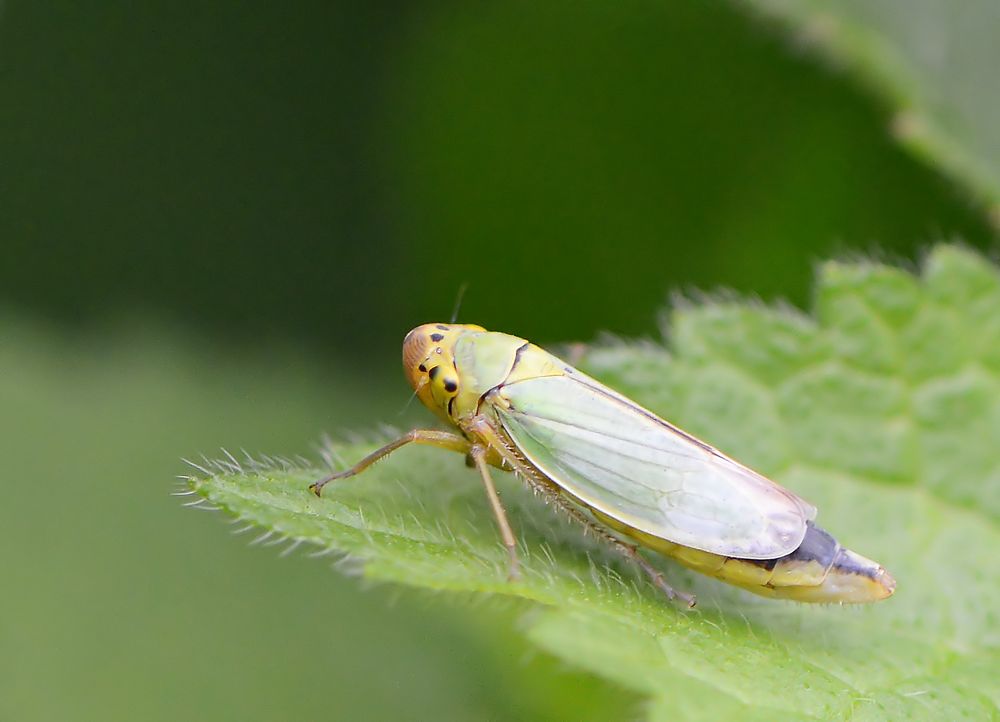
624, 461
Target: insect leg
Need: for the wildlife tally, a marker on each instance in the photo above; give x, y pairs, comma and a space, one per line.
523, 468
444, 439
629, 551
482, 428
478, 455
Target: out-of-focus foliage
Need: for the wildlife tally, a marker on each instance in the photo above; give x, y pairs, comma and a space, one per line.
578, 157
885, 411
934, 62
327, 175
119, 604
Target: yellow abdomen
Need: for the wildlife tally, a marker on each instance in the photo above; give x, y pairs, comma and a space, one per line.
820, 570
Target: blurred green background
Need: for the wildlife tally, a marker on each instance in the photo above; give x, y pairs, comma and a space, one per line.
216, 224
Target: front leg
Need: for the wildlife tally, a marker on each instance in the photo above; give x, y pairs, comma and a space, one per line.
443, 439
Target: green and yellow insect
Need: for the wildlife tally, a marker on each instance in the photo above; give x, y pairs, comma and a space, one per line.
620, 470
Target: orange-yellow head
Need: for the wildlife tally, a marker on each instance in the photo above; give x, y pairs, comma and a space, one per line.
429, 364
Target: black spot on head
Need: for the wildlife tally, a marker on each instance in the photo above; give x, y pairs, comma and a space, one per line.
435, 337
422, 369
450, 386
434, 372
442, 327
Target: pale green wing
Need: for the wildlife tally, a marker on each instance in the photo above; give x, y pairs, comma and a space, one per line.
626, 462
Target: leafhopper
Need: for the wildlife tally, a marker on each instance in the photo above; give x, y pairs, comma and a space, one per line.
629, 476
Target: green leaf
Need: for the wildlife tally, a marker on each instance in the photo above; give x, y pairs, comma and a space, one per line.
884, 410
931, 61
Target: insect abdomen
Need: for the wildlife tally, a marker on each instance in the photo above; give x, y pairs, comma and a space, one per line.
819, 570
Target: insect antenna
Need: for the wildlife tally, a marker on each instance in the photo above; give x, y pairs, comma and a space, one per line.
458, 300
420, 385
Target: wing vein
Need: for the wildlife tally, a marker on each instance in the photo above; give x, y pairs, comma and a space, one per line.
619, 459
